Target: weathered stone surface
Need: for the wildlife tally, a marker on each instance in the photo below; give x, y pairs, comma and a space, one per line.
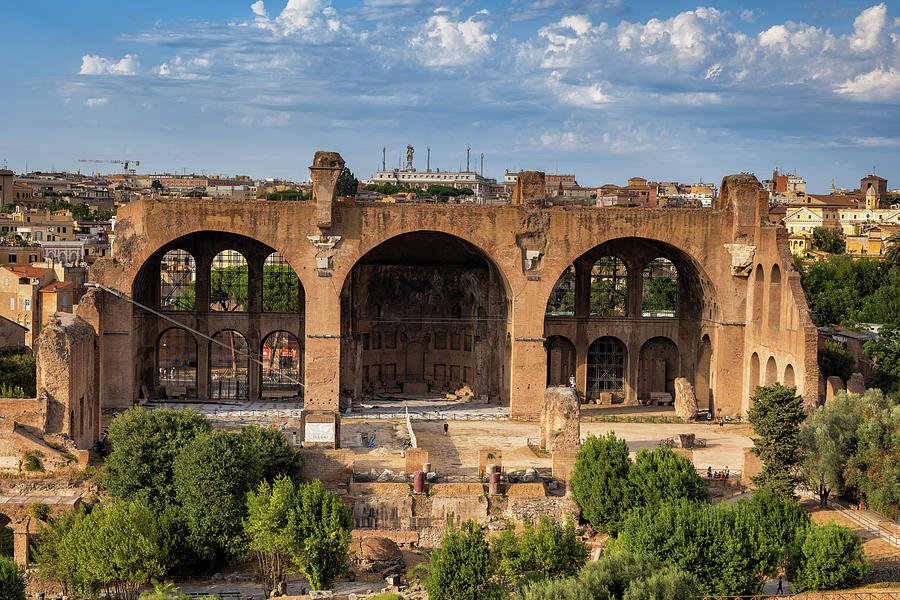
685, 400
856, 384
741, 258
560, 419
833, 385
375, 554
530, 189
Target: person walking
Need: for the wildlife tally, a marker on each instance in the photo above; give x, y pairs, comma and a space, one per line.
709, 472
780, 589
446, 427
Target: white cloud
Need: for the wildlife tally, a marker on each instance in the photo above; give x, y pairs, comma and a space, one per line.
564, 140
299, 16
91, 64
92, 102
181, 68
444, 42
869, 28
748, 16
259, 9
686, 39
878, 84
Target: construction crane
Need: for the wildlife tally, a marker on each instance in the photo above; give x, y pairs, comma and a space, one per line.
125, 163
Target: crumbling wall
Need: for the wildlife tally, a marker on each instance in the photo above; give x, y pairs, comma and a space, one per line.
66, 378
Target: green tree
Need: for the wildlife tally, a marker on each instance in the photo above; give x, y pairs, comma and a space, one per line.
659, 475
660, 294
156, 185
778, 521
721, 547
12, 580
276, 455
835, 360
19, 371
287, 196
562, 298
600, 484
144, 446
322, 524
776, 415
831, 558
892, 254
616, 576
52, 561
885, 349
461, 567
828, 240
550, 548
828, 441
212, 476
346, 184
267, 527
81, 212
874, 469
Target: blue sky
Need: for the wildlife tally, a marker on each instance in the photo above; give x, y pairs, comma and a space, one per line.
606, 89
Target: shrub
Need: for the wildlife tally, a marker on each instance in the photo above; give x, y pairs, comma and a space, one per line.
18, 374
12, 580
32, 460
830, 558
461, 567
600, 481
550, 549
38, 511
619, 576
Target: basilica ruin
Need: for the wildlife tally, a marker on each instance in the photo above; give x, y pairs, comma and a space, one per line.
328, 301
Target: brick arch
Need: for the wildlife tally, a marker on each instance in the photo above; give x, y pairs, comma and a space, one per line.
346, 262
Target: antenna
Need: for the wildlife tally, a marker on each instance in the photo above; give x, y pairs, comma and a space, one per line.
468, 148
428, 159
384, 158
482, 164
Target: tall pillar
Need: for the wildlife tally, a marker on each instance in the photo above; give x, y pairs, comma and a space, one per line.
203, 368
322, 355
582, 313
528, 358
635, 291
632, 360
203, 263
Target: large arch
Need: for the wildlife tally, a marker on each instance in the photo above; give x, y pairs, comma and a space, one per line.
658, 368
771, 371
206, 282
282, 369
684, 314
607, 363
424, 313
176, 360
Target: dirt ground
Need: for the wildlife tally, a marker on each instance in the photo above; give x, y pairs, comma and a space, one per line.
457, 453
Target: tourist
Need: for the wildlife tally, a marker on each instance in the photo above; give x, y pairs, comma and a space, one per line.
446, 427
709, 472
726, 472
780, 589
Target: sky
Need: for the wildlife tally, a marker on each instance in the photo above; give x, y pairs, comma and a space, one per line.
604, 89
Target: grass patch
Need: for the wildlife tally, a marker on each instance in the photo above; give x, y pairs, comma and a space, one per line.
637, 419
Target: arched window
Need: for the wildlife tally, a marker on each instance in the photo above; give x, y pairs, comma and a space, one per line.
228, 282
754, 373
281, 358
775, 297
562, 298
660, 289
229, 360
771, 371
609, 287
281, 286
789, 376
177, 281
177, 361
606, 367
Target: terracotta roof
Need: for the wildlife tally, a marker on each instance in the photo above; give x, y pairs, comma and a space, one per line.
55, 286
28, 270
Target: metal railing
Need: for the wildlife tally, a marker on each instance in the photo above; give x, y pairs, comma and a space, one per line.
835, 595
412, 434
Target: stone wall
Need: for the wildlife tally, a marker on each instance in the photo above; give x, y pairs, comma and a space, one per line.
67, 380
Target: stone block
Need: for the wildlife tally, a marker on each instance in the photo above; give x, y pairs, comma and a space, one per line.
560, 419
833, 385
685, 400
856, 384
415, 459
530, 189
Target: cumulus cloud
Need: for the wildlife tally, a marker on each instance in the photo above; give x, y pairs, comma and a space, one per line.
91, 64
182, 68
445, 42
685, 39
878, 84
92, 102
298, 16
869, 28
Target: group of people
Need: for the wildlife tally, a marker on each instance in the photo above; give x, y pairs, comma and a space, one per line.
717, 474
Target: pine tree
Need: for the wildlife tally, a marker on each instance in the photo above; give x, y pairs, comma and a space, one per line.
776, 417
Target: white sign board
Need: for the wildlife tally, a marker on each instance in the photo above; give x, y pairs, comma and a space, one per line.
319, 432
